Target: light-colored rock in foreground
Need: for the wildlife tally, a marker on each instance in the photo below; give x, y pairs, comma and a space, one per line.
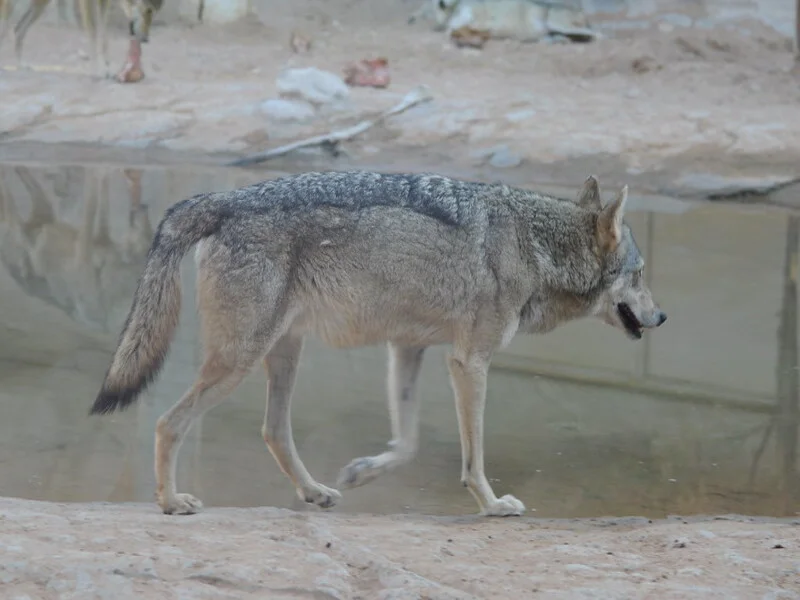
120, 551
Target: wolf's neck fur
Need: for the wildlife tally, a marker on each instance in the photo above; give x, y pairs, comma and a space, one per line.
560, 246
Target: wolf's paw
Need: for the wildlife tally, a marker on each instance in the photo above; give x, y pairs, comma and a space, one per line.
130, 73
358, 472
181, 504
507, 506
318, 494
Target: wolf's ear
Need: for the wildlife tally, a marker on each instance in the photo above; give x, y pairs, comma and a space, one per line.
609, 221
589, 196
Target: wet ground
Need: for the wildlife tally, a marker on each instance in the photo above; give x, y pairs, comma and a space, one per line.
698, 418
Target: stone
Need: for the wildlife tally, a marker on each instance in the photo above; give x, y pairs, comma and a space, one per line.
505, 159
313, 85
500, 157
520, 115
577, 568
123, 551
677, 20
710, 184
285, 110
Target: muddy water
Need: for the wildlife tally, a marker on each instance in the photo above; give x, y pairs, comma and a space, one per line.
699, 417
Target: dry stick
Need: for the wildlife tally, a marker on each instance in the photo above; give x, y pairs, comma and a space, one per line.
416, 96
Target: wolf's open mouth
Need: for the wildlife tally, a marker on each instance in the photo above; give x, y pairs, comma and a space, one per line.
629, 321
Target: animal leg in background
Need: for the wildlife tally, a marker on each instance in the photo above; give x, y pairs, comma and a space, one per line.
5, 21
30, 16
140, 16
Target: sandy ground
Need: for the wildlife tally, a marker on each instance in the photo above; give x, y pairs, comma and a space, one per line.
90, 551
662, 101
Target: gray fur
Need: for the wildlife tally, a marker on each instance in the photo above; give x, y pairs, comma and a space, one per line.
362, 258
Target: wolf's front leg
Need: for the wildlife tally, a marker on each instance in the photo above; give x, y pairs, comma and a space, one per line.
281, 364
132, 70
404, 367
468, 373
95, 21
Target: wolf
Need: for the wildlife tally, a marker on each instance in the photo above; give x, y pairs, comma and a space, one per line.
522, 20
364, 258
93, 16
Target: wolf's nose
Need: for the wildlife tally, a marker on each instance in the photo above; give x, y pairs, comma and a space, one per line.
662, 317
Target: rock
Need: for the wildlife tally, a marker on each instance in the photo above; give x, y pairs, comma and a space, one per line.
520, 115
709, 535
500, 157
593, 7
696, 115
680, 542
677, 20
711, 185
579, 569
115, 128
313, 85
786, 195
126, 551
17, 115
754, 138
505, 159
284, 110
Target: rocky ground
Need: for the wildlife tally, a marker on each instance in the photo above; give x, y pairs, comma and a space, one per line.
88, 551
682, 109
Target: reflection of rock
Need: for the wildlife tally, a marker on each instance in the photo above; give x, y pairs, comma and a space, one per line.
81, 270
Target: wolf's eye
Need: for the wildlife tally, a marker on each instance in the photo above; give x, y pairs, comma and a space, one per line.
442, 5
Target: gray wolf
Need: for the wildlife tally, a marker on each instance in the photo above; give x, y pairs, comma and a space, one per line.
362, 258
522, 20
93, 16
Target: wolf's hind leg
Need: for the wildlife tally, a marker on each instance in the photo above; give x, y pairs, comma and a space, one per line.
217, 379
225, 316
281, 365
404, 367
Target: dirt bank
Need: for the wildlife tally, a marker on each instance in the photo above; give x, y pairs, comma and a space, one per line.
643, 102
124, 551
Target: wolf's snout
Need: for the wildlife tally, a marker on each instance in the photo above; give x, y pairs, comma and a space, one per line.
661, 319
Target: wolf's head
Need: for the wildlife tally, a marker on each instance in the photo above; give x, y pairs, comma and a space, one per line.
625, 302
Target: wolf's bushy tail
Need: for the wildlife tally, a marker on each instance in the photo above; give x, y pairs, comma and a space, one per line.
151, 323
